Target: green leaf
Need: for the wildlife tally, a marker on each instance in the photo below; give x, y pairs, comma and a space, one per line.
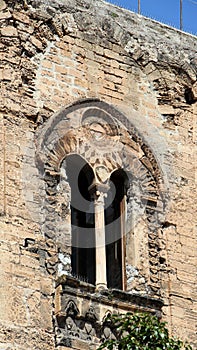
141, 331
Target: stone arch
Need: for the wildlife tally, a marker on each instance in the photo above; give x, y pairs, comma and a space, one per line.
65, 133
107, 141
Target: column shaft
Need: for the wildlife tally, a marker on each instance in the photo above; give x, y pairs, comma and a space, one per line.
101, 275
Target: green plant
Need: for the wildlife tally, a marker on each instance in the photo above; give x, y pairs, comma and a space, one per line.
113, 14
141, 331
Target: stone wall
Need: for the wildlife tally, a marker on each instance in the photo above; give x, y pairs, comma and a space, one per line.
54, 54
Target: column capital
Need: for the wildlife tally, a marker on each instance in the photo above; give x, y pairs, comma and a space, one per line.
98, 189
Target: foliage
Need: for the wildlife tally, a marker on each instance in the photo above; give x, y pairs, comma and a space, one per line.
141, 331
113, 14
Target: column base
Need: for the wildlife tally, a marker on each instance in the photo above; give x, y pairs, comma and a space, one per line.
101, 286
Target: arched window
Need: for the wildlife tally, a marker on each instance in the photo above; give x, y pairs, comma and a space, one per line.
80, 177
100, 151
114, 230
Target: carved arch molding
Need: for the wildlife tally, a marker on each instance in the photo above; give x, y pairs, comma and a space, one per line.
107, 141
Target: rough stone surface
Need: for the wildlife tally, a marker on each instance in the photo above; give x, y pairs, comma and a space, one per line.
55, 54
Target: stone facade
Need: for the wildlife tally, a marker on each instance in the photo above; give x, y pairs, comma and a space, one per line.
88, 85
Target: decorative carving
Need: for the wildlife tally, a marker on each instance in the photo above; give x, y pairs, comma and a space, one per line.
67, 325
80, 313
108, 331
102, 173
71, 327
91, 315
107, 140
71, 309
90, 330
97, 131
62, 338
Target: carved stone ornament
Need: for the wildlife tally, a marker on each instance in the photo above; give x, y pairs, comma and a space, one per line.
97, 131
71, 309
91, 314
102, 173
107, 141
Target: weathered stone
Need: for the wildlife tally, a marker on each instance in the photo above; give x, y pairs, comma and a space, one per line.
36, 42
21, 17
2, 5
166, 109
194, 91
9, 31
5, 15
136, 125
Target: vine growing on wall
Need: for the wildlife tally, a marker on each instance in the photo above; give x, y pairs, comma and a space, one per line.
141, 331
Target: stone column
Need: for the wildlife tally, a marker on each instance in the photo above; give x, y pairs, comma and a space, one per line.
123, 213
99, 193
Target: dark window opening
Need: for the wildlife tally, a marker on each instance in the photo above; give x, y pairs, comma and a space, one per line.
80, 177
83, 252
114, 230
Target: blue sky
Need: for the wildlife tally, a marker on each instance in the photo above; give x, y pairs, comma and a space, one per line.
166, 11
